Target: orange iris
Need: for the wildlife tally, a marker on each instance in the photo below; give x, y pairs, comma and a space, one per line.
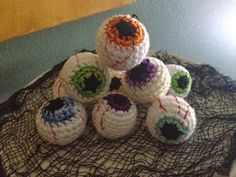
124, 31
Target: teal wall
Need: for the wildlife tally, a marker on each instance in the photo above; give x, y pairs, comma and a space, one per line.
187, 28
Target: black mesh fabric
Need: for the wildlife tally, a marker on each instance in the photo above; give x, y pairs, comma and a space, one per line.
210, 150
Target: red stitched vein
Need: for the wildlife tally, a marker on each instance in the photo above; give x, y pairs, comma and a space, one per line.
59, 88
60, 84
161, 106
178, 104
83, 119
118, 62
63, 79
98, 107
56, 84
186, 113
101, 123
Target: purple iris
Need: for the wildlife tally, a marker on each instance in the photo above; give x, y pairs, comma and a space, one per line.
118, 102
141, 74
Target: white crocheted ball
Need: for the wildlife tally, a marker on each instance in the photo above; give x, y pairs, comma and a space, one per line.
114, 115
181, 81
122, 42
171, 119
82, 78
146, 81
61, 121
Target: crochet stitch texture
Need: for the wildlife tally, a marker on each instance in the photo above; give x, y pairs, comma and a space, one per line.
82, 78
122, 42
181, 81
171, 119
146, 81
114, 116
61, 121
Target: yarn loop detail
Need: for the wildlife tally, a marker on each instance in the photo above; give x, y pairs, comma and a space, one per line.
58, 110
170, 128
89, 80
124, 31
118, 102
141, 74
180, 82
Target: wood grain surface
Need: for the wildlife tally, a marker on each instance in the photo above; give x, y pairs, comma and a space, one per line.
19, 17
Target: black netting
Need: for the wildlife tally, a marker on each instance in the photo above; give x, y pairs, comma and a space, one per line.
211, 149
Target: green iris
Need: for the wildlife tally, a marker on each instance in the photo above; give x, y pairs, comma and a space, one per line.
180, 82
170, 128
89, 81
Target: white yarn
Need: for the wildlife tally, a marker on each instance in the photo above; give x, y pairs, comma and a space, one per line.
112, 54
157, 86
173, 69
174, 107
70, 67
62, 133
113, 124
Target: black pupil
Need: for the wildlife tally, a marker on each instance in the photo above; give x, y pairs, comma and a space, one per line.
54, 105
170, 131
115, 83
120, 99
183, 82
91, 83
125, 29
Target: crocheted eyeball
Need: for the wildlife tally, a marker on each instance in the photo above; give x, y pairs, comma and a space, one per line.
61, 121
146, 81
116, 81
171, 119
181, 81
122, 42
114, 115
82, 79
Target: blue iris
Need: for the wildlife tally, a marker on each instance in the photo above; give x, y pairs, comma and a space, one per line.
58, 110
